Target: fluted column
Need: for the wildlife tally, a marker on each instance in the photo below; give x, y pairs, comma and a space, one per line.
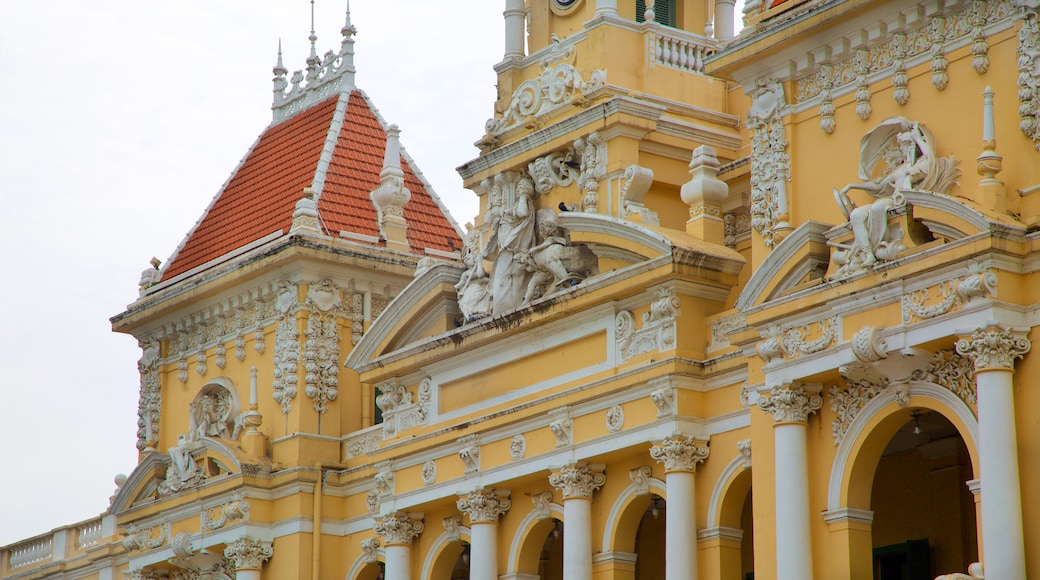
398, 530
248, 556
577, 482
515, 14
994, 350
483, 507
680, 455
791, 407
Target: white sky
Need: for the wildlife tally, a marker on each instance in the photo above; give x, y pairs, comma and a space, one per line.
119, 121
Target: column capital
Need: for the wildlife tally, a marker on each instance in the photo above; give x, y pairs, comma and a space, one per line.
248, 554
399, 528
994, 348
790, 404
483, 506
578, 480
679, 453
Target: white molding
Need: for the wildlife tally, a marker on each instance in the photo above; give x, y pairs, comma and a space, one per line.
754, 291
720, 533
843, 456
361, 561
433, 550
847, 514
736, 466
524, 529
625, 498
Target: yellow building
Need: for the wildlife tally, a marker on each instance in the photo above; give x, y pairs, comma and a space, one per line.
734, 307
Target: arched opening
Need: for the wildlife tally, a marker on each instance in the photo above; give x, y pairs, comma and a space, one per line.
736, 529
452, 562
650, 541
924, 519
550, 562
461, 569
373, 571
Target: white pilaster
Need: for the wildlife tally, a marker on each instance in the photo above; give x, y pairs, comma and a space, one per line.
515, 14
680, 456
791, 407
577, 482
994, 350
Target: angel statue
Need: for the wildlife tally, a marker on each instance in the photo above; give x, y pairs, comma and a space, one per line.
895, 157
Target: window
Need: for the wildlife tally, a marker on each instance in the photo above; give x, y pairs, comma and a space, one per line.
664, 11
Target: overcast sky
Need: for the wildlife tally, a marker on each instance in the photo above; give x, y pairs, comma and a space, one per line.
119, 120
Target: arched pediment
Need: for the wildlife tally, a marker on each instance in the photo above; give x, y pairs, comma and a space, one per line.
952, 219
803, 253
419, 310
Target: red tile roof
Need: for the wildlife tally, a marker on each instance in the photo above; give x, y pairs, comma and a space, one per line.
259, 198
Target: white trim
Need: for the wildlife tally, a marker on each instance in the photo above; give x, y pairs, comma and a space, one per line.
774, 264
362, 561
207, 265
847, 514
442, 540
720, 533
843, 457
722, 484
328, 149
623, 499
523, 530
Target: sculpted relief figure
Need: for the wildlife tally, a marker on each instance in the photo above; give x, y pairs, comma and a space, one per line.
895, 157
529, 251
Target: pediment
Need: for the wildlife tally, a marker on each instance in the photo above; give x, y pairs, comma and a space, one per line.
800, 257
426, 307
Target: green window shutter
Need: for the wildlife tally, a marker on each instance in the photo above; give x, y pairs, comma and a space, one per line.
664, 12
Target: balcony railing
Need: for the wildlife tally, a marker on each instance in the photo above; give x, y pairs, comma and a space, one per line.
679, 49
30, 552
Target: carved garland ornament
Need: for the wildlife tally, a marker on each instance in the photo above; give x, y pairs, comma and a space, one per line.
286, 347
770, 162
149, 406
217, 517
321, 350
557, 84
658, 331
953, 294
1029, 69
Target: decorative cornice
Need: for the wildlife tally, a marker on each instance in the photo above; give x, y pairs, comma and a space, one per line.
483, 506
248, 554
399, 528
679, 453
578, 480
994, 348
790, 404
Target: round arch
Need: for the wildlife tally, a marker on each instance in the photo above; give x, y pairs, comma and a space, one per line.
727, 497
445, 550
366, 569
852, 473
623, 519
529, 538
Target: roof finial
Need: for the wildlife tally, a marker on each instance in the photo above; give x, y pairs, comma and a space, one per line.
313, 37
348, 29
279, 68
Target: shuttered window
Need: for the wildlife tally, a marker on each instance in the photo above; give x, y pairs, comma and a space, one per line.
664, 11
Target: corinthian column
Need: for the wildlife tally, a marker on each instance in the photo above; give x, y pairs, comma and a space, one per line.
680, 456
791, 407
577, 482
398, 530
483, 508
994, 350
249, 556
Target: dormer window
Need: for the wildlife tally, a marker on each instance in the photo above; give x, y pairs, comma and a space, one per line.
664, 12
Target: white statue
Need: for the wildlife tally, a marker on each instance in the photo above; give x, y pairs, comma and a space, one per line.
512, 234
554, 261
895, 157
183, 471
472, 287
149, 276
